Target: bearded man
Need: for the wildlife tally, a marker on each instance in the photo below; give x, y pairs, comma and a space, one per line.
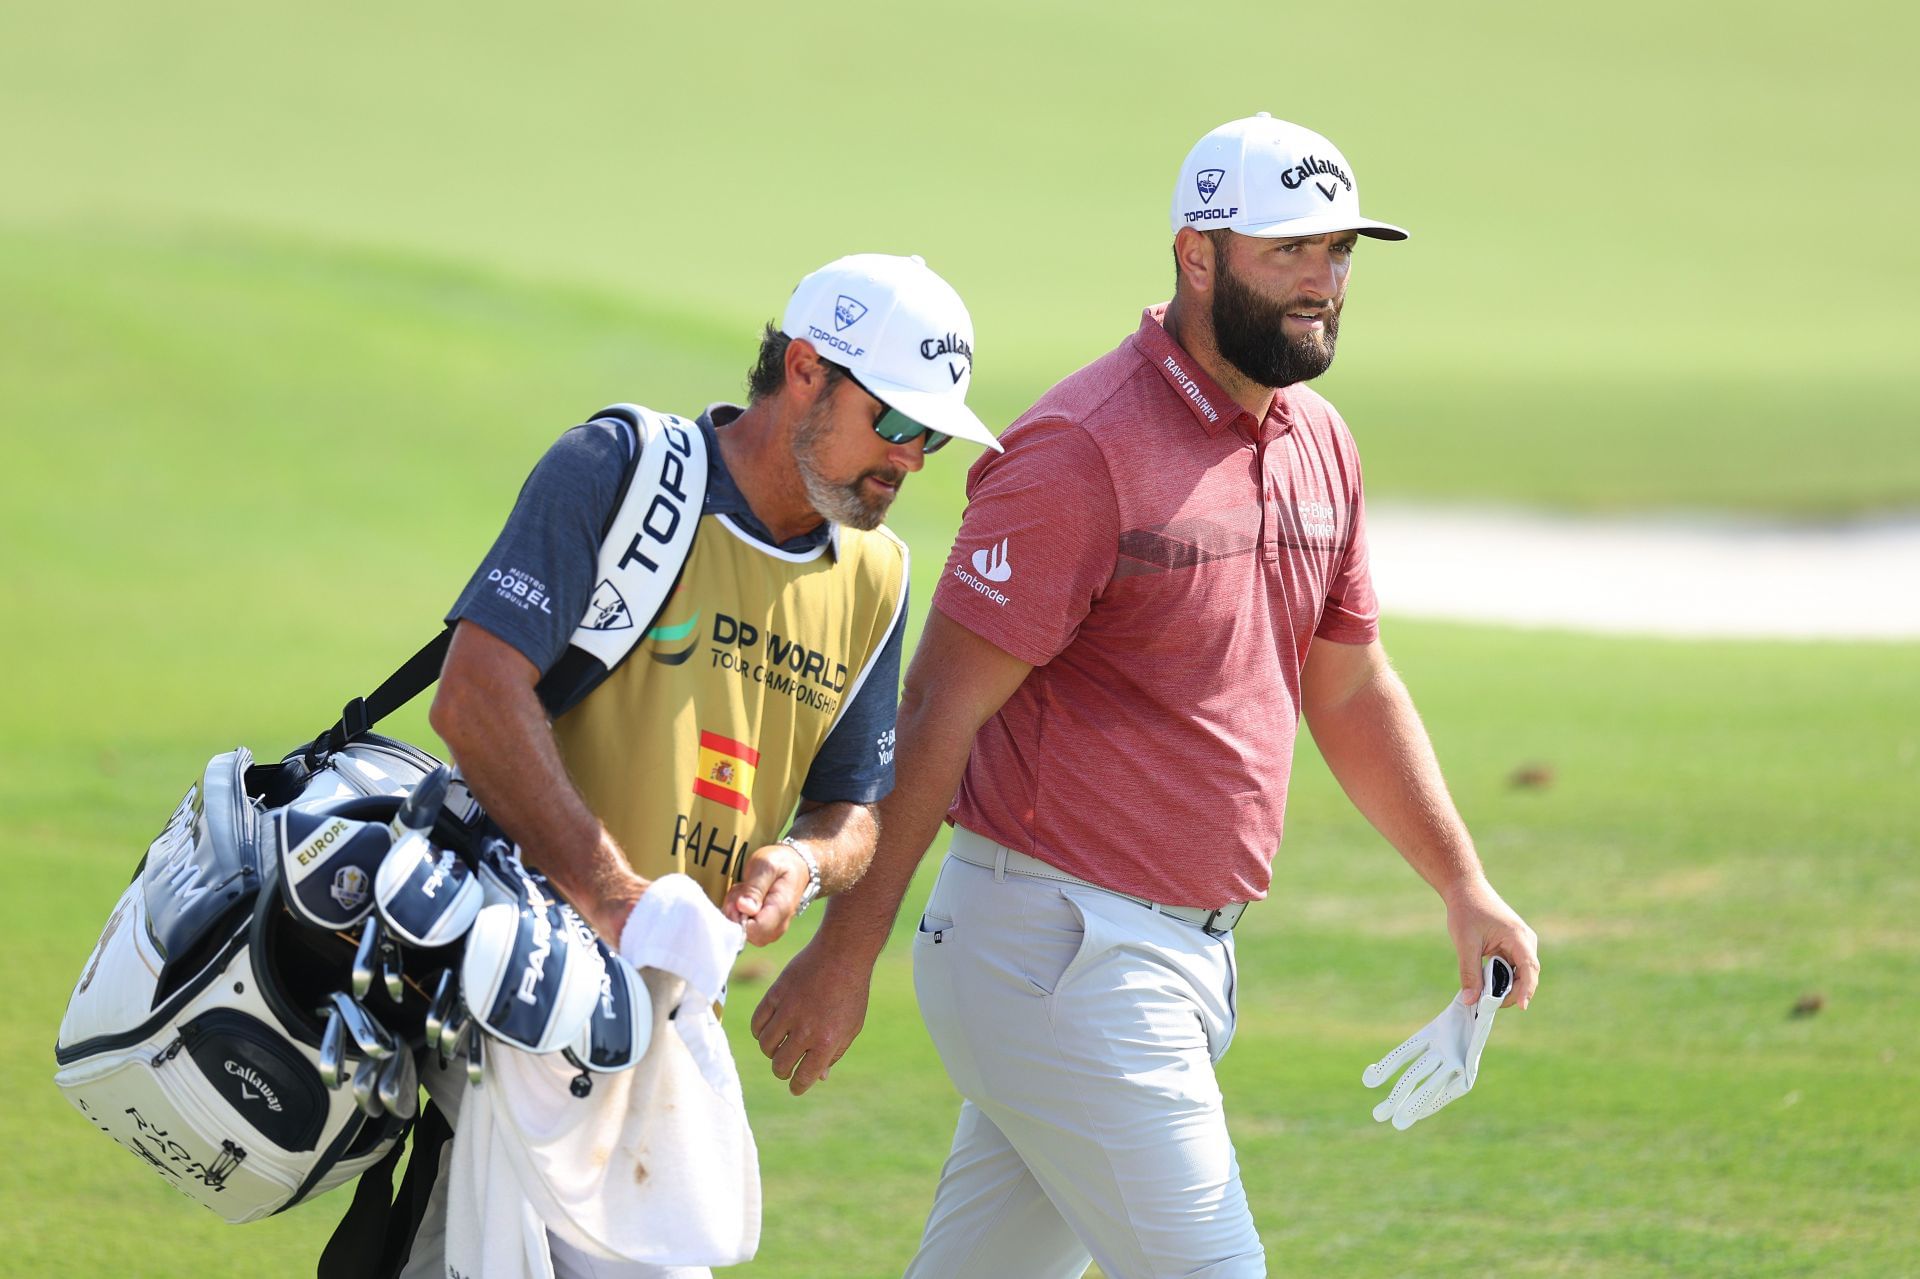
1162, 573
745, 739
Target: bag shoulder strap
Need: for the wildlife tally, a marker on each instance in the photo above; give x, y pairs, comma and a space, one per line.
643, 549
644, 544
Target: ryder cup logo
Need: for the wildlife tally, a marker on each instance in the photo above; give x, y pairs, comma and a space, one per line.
350, 887
1208, 180
847, 312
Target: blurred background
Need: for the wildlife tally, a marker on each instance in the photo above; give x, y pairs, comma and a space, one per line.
291, 300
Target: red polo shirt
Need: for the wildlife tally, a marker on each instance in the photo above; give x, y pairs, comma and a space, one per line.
1163, 561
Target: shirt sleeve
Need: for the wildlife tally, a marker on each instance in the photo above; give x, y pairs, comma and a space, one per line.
855, 763
1037, 544
532, 588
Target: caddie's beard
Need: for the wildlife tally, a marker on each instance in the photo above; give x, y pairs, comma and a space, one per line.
841, 503
1250, 331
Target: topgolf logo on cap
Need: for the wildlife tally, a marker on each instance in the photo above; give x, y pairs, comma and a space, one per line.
847, 312
1208, 181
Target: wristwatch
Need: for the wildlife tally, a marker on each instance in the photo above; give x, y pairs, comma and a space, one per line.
812, 890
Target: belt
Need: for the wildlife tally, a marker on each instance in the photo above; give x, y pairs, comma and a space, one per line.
976, 849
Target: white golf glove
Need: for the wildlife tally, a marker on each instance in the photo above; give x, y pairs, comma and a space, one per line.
1448, 1048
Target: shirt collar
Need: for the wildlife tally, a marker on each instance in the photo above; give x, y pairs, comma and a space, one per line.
1205, 399
725, 498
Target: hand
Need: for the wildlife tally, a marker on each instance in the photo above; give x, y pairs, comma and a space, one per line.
1481, 924
809, 1016
1448, 1052
768, 894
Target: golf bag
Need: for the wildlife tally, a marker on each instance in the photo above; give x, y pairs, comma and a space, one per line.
232, 990
194, 1034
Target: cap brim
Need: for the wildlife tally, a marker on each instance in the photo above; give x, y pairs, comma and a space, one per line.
947, 414
1323, 225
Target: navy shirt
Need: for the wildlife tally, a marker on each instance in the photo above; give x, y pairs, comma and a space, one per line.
532, 589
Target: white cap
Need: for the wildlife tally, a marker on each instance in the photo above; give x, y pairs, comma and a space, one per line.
1264, 177
902, 331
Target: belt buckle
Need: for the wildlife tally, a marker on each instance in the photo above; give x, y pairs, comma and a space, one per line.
1207, 926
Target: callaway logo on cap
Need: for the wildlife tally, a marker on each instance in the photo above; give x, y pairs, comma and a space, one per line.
901, 330
1264, 177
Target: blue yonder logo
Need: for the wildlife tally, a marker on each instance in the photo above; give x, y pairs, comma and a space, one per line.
847, 312
1208, 180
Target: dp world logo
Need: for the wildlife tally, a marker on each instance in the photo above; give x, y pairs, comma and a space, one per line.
847, 312
1208, 180
991, 562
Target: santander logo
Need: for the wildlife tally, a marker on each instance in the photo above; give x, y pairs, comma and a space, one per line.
991, 562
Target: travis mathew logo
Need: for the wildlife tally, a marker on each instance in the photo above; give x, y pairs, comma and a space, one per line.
1208, 181
847, 312
1310, 166
991, 562
1191, 389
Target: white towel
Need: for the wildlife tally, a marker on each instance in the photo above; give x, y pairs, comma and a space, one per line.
676, 929
493, 1230
657, 1164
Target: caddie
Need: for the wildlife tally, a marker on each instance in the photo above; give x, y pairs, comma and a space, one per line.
1165, 569
682, 652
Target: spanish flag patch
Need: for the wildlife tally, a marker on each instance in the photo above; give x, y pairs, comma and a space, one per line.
725, 773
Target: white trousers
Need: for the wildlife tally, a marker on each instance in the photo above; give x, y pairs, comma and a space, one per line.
1081, 1028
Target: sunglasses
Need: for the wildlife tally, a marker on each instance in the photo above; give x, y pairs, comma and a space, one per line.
896, 427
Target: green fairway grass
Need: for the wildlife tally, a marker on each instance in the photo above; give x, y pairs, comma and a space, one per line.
221, 529
291, 299
1660, 253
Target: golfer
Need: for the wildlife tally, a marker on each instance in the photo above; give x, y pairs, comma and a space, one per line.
1164, 570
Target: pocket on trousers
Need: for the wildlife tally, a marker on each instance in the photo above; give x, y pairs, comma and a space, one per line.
935, 930
1054, 942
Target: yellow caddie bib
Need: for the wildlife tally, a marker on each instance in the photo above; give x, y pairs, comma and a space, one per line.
693, 751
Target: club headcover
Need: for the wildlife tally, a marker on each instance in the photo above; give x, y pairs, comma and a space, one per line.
327, 862
526, 976
423, 803
617, 1034
428, 896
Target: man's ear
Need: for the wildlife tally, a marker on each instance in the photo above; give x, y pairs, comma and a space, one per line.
1194, 257
806, 373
